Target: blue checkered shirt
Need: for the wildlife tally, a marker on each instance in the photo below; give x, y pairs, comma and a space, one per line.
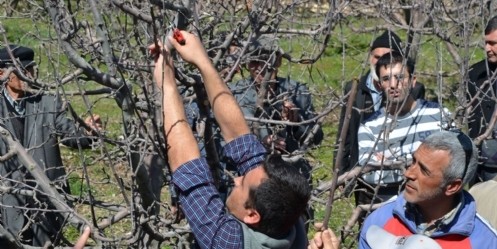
211, 224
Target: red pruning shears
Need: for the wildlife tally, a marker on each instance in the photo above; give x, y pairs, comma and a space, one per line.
178, 36
176, 33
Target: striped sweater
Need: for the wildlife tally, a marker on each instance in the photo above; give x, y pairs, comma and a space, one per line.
395, 138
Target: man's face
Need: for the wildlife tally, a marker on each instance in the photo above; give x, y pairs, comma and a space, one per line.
373, 59
424, 178
260, 65
491, 46
240, 192
257, 69
376, 54
14, 83
396, 83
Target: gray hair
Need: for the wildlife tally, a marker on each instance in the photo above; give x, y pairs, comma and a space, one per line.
460, 147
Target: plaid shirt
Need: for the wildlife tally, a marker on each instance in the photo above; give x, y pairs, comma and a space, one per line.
212, 226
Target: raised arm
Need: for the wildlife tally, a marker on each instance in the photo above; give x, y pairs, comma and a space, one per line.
199, 198
181, 144
226, 110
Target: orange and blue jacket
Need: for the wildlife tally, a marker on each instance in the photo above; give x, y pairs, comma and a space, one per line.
467, 230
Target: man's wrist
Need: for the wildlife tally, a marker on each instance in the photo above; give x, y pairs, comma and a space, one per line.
204, 64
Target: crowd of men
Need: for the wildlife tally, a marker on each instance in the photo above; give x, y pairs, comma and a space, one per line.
391, 124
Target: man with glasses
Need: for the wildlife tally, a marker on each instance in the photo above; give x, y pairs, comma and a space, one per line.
395, 131
367, 100
36, 121
434, 203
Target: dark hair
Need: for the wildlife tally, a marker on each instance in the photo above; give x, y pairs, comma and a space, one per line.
394, 58
281, 198
491, 25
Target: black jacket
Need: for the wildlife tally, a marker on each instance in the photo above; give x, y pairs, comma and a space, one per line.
363, 101
481, 110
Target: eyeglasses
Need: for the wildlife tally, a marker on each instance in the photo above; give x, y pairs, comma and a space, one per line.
398, 77
467, 146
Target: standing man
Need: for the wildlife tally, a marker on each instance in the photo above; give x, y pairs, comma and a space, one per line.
482, 85
269, 196
395, 131
36, 121
434, 203
368, 98
264, 95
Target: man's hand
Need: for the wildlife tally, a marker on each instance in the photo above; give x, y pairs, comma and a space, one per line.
324, 240
83, 238
378, 156
163, 64
275, 142
192, 50
94, 122
290, 112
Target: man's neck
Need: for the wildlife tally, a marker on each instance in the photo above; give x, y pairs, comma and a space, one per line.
15, 95
404, 108
492, 66
443, 207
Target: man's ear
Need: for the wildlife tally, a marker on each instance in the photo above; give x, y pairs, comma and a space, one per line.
252, 218
453, 187
413, 80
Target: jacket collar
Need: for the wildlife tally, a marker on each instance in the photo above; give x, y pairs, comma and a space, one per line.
463, 222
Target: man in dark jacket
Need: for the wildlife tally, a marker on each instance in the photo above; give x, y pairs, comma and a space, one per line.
368, 99
482, 85
284, 100
36, 121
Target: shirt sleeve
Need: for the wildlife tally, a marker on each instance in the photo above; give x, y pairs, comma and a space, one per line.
212, 226
246, 152
366, 142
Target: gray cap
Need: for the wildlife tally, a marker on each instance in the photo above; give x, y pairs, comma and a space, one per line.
263, 45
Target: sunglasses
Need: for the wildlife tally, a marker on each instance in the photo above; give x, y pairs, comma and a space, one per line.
467, 146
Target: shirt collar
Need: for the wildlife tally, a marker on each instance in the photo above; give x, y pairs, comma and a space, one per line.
375, 94
429, 229
19, 105
370, 84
